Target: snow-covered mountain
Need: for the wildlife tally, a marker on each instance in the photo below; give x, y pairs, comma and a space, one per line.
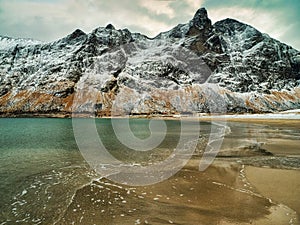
195, 67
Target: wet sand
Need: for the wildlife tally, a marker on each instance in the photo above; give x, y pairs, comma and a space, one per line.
262, 119
282, 186
220, 195
280, 146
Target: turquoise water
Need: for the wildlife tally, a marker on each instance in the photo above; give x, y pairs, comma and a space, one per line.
35, 155
30, 146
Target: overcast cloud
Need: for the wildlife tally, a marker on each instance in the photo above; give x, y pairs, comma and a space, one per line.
49, 20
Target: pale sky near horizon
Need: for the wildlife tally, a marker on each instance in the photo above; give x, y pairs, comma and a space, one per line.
48, 20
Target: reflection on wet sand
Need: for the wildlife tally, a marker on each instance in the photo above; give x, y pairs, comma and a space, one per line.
190, 197
220, 195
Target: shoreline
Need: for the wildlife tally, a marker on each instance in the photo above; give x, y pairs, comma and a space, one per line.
293, 116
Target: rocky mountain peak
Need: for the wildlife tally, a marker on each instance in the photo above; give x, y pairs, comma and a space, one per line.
76, 36
110, 27
77, 33
200, 26
200, 23
231, 27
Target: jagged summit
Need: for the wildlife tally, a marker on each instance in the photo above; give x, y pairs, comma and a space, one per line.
201, 21
200, 24
77, 33
201, 14
255, 72
110, 26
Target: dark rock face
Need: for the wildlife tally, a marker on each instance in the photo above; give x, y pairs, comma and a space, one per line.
200, 24
255, 73
76, 34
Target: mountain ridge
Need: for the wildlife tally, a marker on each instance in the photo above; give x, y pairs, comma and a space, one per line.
252, 72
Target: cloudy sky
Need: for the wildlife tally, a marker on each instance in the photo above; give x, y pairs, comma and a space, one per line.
49, 20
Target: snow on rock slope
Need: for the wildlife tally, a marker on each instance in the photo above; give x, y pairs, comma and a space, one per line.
195, 67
